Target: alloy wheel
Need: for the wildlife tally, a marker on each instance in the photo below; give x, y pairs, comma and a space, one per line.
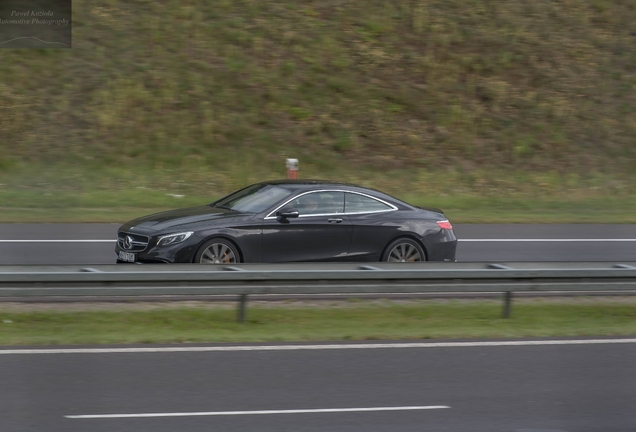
218, 253
404, 252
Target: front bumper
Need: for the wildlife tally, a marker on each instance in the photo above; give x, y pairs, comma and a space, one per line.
153, 254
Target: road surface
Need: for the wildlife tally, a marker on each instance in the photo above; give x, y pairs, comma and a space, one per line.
94, 243
580, 387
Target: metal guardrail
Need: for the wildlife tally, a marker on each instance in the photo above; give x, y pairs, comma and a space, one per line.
332, 278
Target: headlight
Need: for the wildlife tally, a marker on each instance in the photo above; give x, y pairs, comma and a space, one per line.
171, 239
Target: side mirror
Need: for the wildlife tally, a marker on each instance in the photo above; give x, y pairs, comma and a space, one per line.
286, 213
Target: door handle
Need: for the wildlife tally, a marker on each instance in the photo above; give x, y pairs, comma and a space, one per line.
334, 220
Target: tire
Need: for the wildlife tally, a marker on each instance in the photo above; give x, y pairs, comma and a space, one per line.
217, 251
403, 250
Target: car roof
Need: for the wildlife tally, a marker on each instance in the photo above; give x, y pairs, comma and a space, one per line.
309, 182
308, 185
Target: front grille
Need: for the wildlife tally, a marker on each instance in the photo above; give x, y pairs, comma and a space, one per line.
131, 242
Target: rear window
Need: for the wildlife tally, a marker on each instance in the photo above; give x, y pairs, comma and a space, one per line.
355, 203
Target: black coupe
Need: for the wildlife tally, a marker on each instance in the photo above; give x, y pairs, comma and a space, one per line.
291, 220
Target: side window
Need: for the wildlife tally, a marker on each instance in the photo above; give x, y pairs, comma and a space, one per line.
355, 203
320, 203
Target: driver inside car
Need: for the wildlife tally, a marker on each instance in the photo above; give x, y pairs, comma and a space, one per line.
310, 206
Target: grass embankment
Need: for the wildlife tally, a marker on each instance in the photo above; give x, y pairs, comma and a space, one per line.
351, 321
125, 205
458, 103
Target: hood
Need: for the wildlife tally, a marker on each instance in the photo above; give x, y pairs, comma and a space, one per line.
179, 217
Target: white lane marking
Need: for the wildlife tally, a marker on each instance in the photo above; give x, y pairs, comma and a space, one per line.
547, 240
225, 413
315, 347
460, 240
58, 241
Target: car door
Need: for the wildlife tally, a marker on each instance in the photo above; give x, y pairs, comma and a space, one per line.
321, 232
374, 226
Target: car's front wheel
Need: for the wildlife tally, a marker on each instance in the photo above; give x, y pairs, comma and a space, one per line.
217, 251
404, 250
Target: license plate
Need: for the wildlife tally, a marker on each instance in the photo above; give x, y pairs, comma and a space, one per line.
126, 256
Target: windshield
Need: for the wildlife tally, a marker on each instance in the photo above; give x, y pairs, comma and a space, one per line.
254, 199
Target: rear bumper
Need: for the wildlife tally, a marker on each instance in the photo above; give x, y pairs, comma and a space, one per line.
442, 246
444, 252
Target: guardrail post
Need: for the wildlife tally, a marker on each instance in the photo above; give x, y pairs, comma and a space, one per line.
507, 302
241, 309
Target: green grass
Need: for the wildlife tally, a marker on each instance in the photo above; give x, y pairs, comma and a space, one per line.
353, 321
122, 195
448, 100
120, 206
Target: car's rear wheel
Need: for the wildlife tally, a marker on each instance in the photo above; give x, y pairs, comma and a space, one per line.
404, 250
217, 251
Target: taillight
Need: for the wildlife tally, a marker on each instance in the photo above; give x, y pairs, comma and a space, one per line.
445, 225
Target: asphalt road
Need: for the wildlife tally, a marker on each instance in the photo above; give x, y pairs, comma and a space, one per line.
544, 388
94, 243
